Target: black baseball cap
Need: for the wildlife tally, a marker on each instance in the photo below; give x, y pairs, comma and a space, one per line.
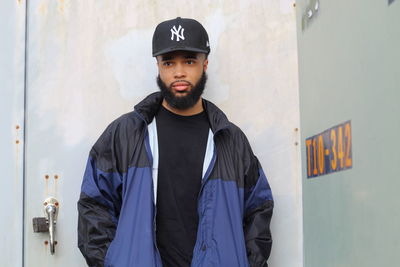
180, 34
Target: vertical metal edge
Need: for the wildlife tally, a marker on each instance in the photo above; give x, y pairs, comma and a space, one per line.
24, 134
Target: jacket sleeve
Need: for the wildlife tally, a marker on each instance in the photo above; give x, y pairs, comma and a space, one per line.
257, 214
100, 200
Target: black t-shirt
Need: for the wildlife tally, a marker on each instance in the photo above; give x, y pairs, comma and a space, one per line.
182, 142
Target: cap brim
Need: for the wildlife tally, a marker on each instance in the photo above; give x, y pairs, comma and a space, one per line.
172, 49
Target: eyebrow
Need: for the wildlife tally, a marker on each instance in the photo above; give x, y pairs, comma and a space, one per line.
194, 56
166, 57
187, 56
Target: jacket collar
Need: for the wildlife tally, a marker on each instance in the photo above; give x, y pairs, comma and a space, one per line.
149, 106
216, 117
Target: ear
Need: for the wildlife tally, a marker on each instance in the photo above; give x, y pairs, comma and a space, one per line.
158, 63
158, 59
205, 64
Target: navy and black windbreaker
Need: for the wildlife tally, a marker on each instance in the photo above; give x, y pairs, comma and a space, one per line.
116, 226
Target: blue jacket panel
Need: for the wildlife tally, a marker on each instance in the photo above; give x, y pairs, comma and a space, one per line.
133, 244
220, 234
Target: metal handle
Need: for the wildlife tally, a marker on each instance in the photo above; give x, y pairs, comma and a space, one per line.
48, 223
51, 207
51, 210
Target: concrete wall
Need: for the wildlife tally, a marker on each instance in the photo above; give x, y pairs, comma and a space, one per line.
90, 61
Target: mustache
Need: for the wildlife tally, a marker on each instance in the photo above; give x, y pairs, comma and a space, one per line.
180, 81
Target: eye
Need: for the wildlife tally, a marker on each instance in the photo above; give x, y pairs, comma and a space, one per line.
190, 62
167, 63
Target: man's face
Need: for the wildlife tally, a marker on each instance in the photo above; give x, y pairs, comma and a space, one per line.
182, 77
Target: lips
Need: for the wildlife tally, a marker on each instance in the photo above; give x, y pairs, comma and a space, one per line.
180, 86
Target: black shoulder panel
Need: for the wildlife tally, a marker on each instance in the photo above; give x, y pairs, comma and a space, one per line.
235, 159
122, 145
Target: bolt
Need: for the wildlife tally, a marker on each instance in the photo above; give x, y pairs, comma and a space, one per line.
294, 4
55, 242
46, 242
45, 203
46, 176
296, 129
296, 143
17, 142
309, 13
56, 204
17, 127
56, 176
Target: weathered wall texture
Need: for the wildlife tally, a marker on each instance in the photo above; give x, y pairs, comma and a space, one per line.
90, 61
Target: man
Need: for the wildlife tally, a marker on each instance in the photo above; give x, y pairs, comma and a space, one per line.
174, 183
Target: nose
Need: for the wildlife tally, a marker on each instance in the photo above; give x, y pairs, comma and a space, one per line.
179, 71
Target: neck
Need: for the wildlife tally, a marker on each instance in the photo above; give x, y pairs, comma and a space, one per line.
196, 109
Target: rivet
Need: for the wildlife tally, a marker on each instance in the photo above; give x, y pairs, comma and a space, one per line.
17, 142
17, 127
56, 204
294, 4
316, 7
46, 176
46, 242
296, 143
309, 13
45, 203
56, 176
55, 242
296, 129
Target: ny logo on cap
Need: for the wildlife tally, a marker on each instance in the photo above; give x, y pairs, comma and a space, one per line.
178, 33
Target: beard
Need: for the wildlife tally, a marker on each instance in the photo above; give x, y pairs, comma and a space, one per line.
186, 101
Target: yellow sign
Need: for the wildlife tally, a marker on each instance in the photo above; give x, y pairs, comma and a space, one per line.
329, 151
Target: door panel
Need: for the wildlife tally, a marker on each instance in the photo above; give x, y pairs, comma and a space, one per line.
349, 70
12, 68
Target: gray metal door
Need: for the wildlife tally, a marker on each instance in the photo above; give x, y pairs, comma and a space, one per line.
12, 68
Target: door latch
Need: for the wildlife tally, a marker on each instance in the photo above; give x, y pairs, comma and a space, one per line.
48, 223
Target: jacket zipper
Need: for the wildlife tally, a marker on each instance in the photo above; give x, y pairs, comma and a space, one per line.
210, 167
205, 179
